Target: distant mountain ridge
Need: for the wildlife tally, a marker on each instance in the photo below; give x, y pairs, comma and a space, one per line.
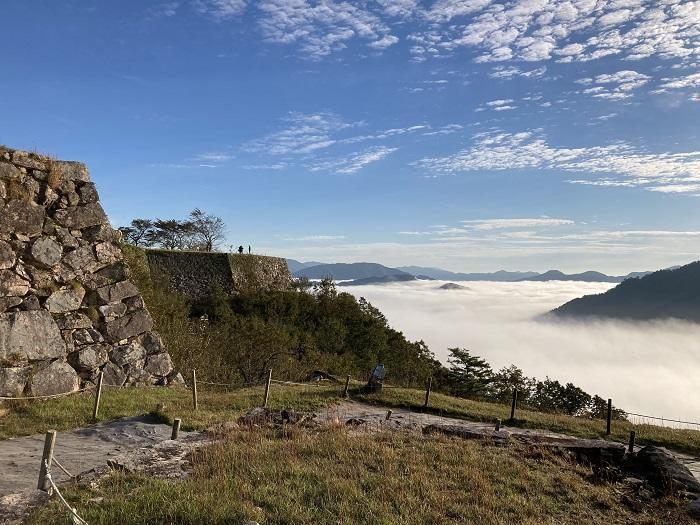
372, 273
673, 293
348, 271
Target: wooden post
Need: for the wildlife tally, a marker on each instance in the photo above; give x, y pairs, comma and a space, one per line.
513, 404
388, 414
267, 388
46, 459
498, 425
176, 429
347, 383
609, 425
98, 395
194, 388
633, 435
428, 388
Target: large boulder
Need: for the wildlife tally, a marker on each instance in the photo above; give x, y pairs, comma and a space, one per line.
57, 377
22, 217
159, 365
46, 251
65, 300
128, 326
132, 353
116, 292
13, 380
113, 375
30, 336
79, 217
660, 467
89, 357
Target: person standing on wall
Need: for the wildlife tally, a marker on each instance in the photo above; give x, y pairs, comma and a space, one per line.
240, 249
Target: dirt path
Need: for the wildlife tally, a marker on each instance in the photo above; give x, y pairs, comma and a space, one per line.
77, 450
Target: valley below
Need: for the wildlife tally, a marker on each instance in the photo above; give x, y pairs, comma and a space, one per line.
645, 367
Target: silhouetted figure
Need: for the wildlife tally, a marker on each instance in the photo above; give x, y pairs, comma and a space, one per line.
249, 249
240, 249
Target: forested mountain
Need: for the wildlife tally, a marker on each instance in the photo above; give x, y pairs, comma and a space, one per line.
673, 293
343, 271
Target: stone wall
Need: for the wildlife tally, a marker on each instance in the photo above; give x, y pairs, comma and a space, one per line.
196, 273
67, 306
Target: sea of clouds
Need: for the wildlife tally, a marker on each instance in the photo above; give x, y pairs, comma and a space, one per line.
645, 367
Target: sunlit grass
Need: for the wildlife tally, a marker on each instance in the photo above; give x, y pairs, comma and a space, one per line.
677, 439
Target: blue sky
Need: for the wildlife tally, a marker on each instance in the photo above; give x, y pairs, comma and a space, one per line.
468, 134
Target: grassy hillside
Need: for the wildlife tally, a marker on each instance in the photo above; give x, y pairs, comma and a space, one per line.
331, 477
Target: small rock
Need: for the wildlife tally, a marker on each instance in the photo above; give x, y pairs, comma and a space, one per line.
9, 302
128, 326
128, 354
80, 259
159, 365
13, 380
113, 375
116, 292
89, 357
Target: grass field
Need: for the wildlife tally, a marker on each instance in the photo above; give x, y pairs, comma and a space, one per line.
329, 477
218, 405
677, 439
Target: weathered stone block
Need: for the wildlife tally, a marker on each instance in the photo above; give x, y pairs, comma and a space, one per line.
72, 171
128, 326
7, 256
9, 172
128, 354
90, 357
29, 160
13, 380
113, 375
73, 321
54, 378
88, 193
152, 342
12, 285
31, 336
65, 300
46, 251
112, 311
116, 292
79, 217
9, 302
108, 253
80, 258
159, 365
19, 216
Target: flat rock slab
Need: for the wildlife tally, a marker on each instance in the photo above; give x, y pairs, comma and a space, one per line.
366, 418
77, 450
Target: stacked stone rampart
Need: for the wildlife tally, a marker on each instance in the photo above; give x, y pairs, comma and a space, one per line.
68, 308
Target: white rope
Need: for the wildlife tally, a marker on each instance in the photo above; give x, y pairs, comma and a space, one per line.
292, 383
77, 520
53, 396
62, 467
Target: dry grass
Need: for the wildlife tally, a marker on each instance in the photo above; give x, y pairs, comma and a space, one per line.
677, 439
329, 477
31, 417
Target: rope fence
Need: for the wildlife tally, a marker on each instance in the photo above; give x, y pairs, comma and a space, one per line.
53, 489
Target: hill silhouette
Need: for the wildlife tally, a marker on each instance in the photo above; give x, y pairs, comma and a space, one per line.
673, 293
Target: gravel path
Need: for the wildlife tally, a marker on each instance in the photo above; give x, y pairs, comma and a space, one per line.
77, 450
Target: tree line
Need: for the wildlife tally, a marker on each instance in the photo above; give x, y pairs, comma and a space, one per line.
200, 231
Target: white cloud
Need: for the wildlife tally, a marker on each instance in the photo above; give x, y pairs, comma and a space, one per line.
690, 81
303, 134
615, 86
499, 224
321, 27
567, 30
353, 163
621, 162
502, 72
312, 238
220, 9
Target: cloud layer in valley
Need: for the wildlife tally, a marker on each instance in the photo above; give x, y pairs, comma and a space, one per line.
646, 368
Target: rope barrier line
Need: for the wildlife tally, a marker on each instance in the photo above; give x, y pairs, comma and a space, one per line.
292, 383
53, 396
664, 419
77, 520
62, 467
